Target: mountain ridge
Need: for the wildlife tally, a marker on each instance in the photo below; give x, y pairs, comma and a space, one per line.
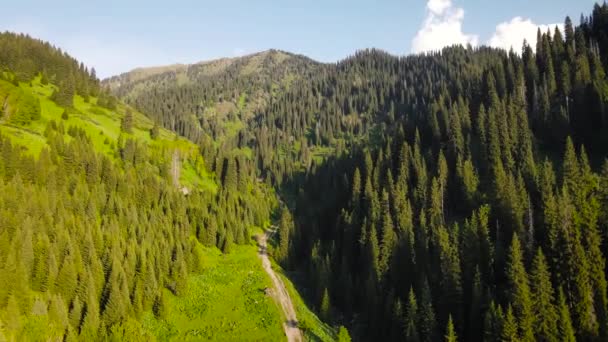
140, 73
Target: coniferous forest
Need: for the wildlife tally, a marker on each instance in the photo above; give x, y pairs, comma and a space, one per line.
455, 195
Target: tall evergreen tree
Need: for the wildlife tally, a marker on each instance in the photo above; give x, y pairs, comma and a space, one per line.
544, 311
450, 335
565, 331
127, 122
519, 292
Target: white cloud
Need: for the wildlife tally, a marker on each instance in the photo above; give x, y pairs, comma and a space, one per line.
511, 34
442, 27
438, 6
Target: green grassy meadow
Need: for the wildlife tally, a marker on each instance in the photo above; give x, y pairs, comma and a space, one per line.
226, 302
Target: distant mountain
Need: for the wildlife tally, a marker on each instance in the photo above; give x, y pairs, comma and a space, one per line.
269, 64
139, 74
214, 98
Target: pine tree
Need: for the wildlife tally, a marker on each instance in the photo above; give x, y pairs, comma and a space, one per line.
544, 313
510, 329
571, 173
64, 95
58, 313
285, 227
427, 324
475, 309
388, 236
451, 283
493, 323
411, 317
160, 306
397, 321
343, 335
569, 31
116, 303
450, 335
520, 291
181, 281
127, 122
230, 175
91, 321
75, 314
325, 306
373, 253
228, 242
67, 279
565, 329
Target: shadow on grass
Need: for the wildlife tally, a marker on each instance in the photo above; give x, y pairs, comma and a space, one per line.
299, 284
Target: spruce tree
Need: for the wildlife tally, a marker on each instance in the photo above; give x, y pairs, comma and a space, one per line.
565, 329
510, 329
450, 335
127, 122
67, 281
427, 324
571, 172
91, 321
519, 292
343, 335
58, 312
493, 323
75, 314
115, 307
160, 306
544, 311
64, 95
388, 236
325, 306
285, 227
411, 318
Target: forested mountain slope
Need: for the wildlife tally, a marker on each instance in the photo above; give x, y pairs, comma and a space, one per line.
211, 98
109, 223
483, 205
462, 192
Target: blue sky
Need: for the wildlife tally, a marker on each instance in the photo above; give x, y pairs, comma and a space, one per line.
117, 36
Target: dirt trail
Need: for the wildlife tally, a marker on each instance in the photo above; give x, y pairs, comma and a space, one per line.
280, 292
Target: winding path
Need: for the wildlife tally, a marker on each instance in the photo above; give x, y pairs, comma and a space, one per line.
280, 292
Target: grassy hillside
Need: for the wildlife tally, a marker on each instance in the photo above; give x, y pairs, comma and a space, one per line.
101, 124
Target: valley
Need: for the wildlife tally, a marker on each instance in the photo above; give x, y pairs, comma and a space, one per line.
451, 195
279, 291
